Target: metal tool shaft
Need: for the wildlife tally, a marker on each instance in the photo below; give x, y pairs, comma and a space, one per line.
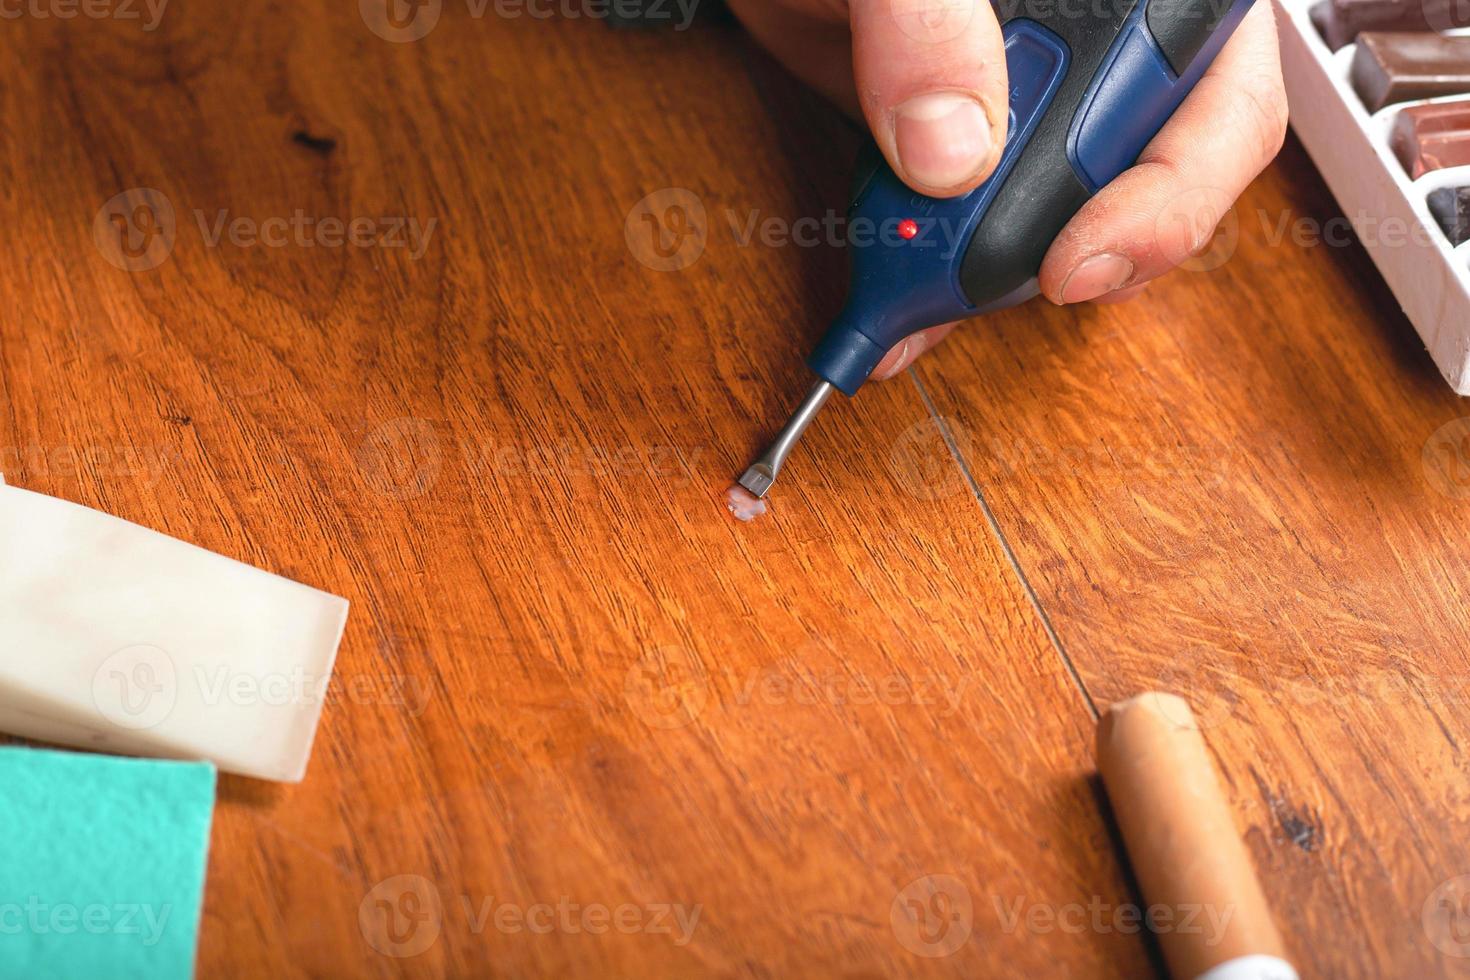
759, 476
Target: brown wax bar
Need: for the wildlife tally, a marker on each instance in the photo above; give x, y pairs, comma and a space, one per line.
1181, 838
1451, 208
1390, 67
1341, 21
1432, 137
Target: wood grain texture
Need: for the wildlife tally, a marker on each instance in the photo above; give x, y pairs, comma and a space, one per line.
1250, 488
568, 677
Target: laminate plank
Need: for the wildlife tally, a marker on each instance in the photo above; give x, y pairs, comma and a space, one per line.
568, 676
1249, 487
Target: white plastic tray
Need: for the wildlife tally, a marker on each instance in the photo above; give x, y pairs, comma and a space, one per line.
1390, 212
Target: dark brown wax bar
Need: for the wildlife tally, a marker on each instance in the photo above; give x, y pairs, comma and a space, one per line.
1432, 137
1390, 67
1341, 21
1451, 208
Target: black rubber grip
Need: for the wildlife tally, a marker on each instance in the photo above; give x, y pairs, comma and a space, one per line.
1181, 28
1028, 213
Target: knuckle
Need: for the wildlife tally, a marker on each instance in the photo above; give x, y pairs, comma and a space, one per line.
1268, 117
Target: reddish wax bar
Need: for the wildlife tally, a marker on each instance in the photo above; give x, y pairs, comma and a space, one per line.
1341, 21
1451, 208
1391, 67
1432, 137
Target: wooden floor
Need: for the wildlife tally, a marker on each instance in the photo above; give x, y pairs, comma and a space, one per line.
853, 738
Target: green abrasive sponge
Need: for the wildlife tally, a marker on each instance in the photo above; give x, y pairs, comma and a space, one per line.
102, 865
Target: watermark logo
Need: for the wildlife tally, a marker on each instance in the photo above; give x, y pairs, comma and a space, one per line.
400, 21
40, 918
933, 21
1105, 918
401, 458
667, 688
1445, 15
921, 460
135, 230
1446, 917
88, 9
1189, 674
303, 230
667, 230
1446, 459
401, 916
573, 918
136, 687
933, 916
1199, 231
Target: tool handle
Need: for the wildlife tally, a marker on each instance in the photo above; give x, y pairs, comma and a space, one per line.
1091, 82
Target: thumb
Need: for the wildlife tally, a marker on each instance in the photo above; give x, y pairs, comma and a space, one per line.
931, 80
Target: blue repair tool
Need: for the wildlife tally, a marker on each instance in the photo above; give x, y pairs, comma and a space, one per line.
1092, 81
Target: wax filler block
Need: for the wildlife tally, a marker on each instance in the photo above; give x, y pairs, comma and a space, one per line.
102, 865
120, 639
1432, 137
1350, 144
1451, 208
1182, 841
1393, 66
1341, 21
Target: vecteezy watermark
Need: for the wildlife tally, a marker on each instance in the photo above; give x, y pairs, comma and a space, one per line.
1103, 917
405, 21
932, 916
1446, 917
1208, 12
136, 687
1446, 459
1202, 676
401, 916
87, 9
139, 687
1369, 686
303, 230
1198, 231
1107, 463
792, 682
672, 919
404, 915
136, 230
923, 463
401, 458
40, 918
147, 463
933, 21
667, 687
667, 230
670, 466
1445, 15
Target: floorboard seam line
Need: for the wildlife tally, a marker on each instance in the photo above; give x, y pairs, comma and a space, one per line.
1005, 545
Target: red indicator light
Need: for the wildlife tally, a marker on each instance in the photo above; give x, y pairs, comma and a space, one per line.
908, 228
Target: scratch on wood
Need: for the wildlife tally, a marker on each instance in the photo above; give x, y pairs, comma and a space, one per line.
1297, 825
317, 144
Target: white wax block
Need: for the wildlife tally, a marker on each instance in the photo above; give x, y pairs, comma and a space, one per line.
118, 638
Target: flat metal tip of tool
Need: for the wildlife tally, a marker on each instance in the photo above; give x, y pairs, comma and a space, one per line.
761, 474
757, 479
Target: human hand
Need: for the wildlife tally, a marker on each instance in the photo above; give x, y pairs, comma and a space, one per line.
929, 78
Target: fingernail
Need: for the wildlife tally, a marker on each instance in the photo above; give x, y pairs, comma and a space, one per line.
884, 371
943, 138
1095, 276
